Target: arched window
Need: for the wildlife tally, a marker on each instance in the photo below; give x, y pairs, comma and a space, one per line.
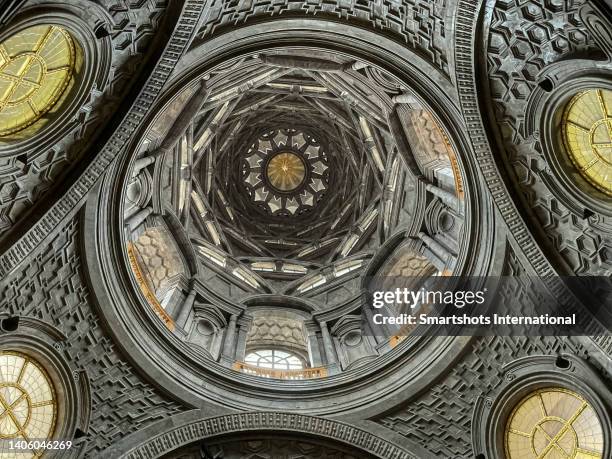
551, 423
28, 405
274, 359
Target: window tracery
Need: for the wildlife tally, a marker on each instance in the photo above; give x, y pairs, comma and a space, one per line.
587, 135
553, 422
274, 359
37, 66
28, 402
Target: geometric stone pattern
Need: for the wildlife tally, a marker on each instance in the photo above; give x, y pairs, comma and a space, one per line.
51, 288
440, 420
75, 193
24, 181
160, 256
276, 331
419, 24
410, 264
433, 151
525, 37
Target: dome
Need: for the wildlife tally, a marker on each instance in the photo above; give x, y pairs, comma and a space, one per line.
282, 186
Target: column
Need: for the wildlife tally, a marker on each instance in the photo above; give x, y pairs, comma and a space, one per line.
379, 332
185, 309
244, 324
184, 118
443, 254
328, 344
403, 147
314, 351
447, 198
230, 339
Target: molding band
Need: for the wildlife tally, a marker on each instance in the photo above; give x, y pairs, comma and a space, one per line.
177, 436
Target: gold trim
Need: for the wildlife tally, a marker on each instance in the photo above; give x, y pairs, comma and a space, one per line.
146, 291
35, 56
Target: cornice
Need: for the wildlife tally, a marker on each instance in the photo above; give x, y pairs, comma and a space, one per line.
177, 434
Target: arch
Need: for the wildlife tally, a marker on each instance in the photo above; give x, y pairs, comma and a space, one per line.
183, 429
277, 300
66, 205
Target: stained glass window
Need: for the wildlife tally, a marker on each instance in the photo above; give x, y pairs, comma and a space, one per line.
587, 134
28, 405
553, 423
274, 359
36, 68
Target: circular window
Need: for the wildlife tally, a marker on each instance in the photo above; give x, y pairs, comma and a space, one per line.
286, 171
553, 423
587, 134
28, 406
36, 68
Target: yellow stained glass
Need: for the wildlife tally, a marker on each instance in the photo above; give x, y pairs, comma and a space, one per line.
286, 171
36, 67
553, 423
28, 405
587, 133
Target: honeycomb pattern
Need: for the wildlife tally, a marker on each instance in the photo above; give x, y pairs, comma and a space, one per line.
448, 406
525, 37
440, 420
434, 153
159, 257
266, 331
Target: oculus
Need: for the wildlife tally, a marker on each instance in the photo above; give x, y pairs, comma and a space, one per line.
28, 405
553, 423
36, 67
587, 135
286, 172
